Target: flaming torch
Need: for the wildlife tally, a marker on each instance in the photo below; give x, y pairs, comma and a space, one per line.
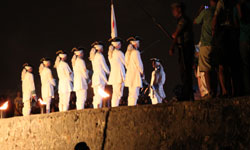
104, 95
42, 105
3, 108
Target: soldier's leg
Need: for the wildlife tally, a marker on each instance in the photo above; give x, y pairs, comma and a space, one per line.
26, 104
61, 99
66, 101
81, 96
48, 102
117, 94
133, 96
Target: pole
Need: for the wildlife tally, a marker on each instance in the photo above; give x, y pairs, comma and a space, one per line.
166, 33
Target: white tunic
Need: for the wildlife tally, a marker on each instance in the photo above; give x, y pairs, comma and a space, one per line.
117, 73
157, 81
65, 76
134, 68
80, 75
28, 85
100, 69
48, 83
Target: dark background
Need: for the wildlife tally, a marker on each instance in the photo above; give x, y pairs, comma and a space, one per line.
36, 29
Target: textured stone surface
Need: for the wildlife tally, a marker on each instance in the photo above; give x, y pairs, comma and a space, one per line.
201, 125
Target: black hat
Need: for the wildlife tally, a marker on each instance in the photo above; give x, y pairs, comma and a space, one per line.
155, 60
77, 49
60, 52
81, 48
27, 64
45, 59
116, 39
134, 38
97, 43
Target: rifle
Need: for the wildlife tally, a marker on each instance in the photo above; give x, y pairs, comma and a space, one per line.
166, 33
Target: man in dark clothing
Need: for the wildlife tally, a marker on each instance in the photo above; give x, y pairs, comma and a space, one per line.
225, 46
183, 41
242, 19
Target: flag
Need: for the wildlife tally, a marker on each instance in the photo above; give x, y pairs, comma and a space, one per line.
113, 21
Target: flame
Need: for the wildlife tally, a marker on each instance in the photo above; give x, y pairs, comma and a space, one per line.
4, 106
103, 93
41, 101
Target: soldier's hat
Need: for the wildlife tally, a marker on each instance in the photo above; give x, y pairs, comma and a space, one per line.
97, 43
60, 52
27, 65
116, 39
134, 38
45, 59
155, 59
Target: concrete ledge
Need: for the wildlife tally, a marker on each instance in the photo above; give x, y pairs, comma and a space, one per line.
217, 124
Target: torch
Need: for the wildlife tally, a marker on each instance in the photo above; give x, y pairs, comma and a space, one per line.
103, 94
42, 105
3, 108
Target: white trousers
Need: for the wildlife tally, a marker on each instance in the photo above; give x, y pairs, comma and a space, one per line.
48, 102
81, 96
117, 94
97, 99
64, 99
26, 104
133, 95
156, 99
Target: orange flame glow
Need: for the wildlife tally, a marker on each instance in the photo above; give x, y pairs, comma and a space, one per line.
41, 101
103, 93
4, 106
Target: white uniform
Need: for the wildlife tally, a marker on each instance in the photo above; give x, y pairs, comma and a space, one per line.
133, 76
80, 82
156, 86
99, 79
65, 86
28, 88
48, 84
117, 76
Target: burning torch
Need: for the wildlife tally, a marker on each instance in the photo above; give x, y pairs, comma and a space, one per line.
3, 108
42, 105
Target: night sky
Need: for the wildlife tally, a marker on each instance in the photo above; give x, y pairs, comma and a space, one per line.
36, 29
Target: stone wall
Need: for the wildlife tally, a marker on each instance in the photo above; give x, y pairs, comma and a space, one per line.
217, 124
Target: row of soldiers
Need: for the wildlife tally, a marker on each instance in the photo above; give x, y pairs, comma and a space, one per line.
78, 80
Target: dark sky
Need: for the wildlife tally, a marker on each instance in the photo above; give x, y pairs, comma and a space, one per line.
36, 29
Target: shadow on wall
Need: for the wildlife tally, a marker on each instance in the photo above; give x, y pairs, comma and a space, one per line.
81, 146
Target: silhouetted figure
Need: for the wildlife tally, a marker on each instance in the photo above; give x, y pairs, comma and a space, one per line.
225, 45
81, 146
242, 19
184, 42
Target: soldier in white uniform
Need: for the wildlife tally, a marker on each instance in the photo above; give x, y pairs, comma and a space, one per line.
65, 76
117, 73
100, 69
28, 88
80, 77
135, 71
158, 78
47, 82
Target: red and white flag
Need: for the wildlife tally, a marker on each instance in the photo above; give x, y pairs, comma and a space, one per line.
113, 21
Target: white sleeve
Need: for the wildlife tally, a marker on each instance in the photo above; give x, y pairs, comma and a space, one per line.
51, 79
138, 61
104, 65
32, 84
84, 70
